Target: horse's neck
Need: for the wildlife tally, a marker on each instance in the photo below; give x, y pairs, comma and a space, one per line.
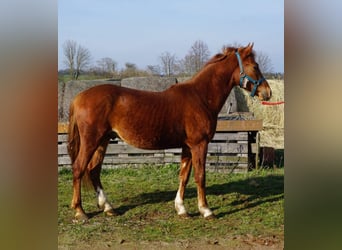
215, 88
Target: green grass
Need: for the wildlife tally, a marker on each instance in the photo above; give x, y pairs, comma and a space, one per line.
249, 204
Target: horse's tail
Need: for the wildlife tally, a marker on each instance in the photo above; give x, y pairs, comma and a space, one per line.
74, 146
74, 136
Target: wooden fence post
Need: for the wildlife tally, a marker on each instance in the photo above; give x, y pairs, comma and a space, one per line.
257, 143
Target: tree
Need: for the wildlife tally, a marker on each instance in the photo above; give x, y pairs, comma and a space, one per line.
77, 57
264, 61
153, 69
194, 61
198, 55
69, 51
187, 65
83, 58
168, 63
107, 66
130, 70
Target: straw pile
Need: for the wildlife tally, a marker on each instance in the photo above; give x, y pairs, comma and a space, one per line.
273, 116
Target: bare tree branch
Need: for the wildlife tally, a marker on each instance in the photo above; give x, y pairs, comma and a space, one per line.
107, 66
197, 56
264, 61
83, 57
168, 62
69, 51
200, 54
77, 57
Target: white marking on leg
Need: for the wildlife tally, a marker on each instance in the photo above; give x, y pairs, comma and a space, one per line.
205, 211
179, 205
102, 200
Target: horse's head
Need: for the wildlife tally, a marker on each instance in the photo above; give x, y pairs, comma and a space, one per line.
247, 74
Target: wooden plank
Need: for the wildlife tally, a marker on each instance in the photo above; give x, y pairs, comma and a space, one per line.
133, 160
127, 149
62, 138
64, 160
246, 125
173, 151
172, 159
62, 149
230, 136
226, 159
227, 148
63, 127
256, 149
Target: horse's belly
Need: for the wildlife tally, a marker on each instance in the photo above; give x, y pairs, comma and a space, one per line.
149, 140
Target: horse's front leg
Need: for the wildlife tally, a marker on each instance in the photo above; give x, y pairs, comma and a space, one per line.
185, 169
199, 155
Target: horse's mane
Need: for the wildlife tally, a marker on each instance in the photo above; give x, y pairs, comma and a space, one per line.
227, 51
216, 58
221, 56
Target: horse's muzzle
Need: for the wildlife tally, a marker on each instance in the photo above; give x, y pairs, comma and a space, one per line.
265, 94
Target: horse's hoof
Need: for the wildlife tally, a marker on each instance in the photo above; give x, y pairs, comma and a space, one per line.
111, 213
210, 217
81, 217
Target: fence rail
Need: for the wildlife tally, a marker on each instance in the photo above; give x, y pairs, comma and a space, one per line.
235, 147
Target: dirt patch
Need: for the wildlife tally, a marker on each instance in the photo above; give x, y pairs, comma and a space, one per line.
237, 242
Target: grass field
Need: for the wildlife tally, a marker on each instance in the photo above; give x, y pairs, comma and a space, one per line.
249, 209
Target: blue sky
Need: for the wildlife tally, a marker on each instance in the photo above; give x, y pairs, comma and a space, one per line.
140, 31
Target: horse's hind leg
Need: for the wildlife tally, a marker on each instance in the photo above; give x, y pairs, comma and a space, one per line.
90, 140
79, 170
94, 168
184, 173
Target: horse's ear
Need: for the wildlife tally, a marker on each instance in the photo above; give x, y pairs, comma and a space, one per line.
249, 48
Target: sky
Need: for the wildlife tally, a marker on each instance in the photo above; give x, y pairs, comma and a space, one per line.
140, 31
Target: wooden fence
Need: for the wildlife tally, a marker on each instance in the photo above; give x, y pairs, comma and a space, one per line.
234, 148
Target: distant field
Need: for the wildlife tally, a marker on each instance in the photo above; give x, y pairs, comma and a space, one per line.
249, 209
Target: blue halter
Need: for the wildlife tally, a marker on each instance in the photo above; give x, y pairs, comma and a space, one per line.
256, 83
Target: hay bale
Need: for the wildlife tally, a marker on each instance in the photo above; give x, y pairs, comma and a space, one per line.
273, 116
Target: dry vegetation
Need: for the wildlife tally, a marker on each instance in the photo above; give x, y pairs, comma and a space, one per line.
273, 116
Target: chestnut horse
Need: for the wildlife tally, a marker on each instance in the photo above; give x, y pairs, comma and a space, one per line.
183, 116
